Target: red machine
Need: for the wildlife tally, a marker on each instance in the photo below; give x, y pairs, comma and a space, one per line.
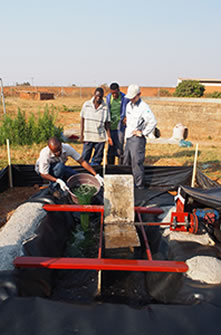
183, 221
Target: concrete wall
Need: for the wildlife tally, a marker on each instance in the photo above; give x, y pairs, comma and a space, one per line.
202, 119
88, 91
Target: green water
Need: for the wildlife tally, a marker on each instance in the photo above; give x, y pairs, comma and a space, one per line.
84, 194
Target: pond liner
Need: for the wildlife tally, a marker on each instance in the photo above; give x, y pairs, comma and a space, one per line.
193, 308
167, 177
4, 179
41, 316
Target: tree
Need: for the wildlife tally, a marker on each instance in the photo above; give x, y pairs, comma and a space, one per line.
189, 88
23, 84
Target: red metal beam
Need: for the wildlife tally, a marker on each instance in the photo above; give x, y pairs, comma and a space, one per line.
95, 208
73, 208
149, 210
148, 251
100, 264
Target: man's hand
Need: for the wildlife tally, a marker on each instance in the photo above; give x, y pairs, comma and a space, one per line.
62, 185
100, 179
137, 133
110, 142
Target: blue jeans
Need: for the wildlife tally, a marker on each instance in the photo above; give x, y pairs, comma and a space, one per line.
59, 170
98, 152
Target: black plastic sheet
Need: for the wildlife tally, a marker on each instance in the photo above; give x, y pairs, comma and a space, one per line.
205, 197
4, 179
39, 316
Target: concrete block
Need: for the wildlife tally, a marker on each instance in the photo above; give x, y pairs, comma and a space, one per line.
119, 229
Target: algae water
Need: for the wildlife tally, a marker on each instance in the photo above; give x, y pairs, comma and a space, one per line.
84, 194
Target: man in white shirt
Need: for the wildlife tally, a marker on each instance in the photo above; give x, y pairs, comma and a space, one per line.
140, 122
51, 163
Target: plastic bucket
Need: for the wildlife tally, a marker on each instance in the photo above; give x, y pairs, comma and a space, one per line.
82, 178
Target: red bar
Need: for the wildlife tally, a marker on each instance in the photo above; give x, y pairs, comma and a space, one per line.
149, 210
95, 208
101, 236
153, 224
73, 208
100, 264
148, 251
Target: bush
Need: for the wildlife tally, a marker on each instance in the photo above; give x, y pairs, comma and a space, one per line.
215, 95
20, 131
164, 93
189, 88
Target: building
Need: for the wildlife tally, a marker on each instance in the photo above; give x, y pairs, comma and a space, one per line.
211, 85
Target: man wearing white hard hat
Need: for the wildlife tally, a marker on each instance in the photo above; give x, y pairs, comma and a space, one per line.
140, 122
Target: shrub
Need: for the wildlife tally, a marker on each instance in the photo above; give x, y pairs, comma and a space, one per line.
164, 93
6, 130
19, 128
189, 88
20, 131
215, 95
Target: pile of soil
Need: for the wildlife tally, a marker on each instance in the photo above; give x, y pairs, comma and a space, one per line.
11, 199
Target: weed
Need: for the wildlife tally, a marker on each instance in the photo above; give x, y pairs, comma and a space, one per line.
21, 131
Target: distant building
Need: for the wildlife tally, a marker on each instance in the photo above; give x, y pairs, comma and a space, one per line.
211, 85
205, 82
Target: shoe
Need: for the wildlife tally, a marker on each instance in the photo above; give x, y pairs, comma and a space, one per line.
140, 187
57, 194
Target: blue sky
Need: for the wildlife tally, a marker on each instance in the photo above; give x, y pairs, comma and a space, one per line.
85, 42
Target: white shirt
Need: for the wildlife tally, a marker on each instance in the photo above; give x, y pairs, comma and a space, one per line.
139, 117
94, 121
46, 157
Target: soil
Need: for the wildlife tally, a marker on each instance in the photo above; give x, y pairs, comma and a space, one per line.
11, 199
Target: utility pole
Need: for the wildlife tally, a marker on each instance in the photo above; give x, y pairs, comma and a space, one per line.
7, 140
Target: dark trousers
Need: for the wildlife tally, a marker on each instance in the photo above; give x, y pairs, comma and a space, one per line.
134, 155
60, 170
117, 148
98, 152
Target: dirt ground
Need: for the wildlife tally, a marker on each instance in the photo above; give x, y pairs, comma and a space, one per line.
11, 199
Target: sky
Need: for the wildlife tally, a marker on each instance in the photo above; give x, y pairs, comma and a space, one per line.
90, 43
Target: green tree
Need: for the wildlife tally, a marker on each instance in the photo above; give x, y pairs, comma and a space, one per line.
20, 128
189, 88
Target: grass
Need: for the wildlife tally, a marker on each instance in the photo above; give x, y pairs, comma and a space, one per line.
68, 115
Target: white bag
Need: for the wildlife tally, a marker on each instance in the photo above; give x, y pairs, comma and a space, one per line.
179, 132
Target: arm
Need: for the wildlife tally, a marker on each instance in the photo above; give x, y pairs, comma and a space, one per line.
60, 182
151, 124
86, 166
82, 130
107, 127
48, 177
89, 168
146, 125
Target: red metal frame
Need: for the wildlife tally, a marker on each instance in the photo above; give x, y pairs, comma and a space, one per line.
95, 208
100, 263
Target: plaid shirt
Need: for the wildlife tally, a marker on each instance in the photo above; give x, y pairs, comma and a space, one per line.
94, 121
